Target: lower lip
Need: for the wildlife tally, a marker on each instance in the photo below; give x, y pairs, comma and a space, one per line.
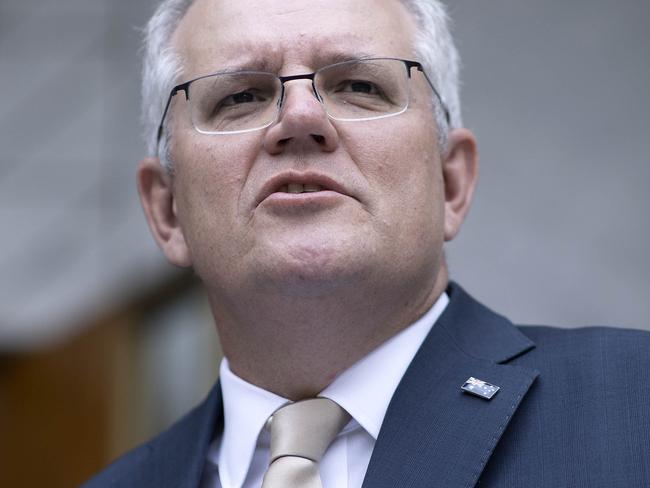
303, 201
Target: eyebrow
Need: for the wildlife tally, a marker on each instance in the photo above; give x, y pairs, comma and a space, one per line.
250, 64
269, 64
334, 57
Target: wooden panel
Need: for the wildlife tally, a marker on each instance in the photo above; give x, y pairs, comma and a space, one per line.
66, 412
54, 417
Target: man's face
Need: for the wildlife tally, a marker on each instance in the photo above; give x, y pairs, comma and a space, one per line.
380, 214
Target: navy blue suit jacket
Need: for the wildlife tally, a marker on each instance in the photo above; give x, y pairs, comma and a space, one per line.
573, 411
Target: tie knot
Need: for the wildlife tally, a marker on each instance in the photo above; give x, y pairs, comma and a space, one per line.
306, 428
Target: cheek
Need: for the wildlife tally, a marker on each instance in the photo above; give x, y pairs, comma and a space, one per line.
210, 176
405, 178
214, 170
400, 168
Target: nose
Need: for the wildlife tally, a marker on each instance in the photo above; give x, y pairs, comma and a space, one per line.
302, 124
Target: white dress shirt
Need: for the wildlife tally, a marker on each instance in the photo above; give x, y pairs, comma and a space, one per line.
239, 457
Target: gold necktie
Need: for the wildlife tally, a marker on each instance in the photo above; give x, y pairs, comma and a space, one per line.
301, 432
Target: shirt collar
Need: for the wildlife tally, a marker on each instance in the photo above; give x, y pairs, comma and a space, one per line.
364, 390
246, 408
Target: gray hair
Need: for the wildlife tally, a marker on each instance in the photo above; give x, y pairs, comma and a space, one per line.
162, 68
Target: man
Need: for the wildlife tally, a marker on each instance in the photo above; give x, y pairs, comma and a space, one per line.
311, 165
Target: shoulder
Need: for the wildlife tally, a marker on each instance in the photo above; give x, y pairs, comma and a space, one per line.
606, 347
127, 470
544, 332
585, 420
173, 458
602, 367
589, 343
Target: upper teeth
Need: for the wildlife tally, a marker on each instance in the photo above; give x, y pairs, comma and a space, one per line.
300, 188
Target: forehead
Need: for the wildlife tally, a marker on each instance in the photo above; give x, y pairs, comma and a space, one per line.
275, 35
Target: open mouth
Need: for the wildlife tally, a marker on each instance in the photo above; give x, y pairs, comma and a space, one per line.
300, 188
294, 183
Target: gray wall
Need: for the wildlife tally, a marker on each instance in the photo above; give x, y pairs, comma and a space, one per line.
557, 93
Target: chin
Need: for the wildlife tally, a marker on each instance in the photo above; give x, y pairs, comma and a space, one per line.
314, 269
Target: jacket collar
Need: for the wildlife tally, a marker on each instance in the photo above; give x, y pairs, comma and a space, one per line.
434, 431
478, 331
176, 459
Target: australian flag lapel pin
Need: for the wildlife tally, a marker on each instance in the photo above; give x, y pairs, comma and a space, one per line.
479, 388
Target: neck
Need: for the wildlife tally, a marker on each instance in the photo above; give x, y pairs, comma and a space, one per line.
296, 347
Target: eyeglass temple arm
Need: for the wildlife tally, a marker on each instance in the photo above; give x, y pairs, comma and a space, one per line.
420, 68
175, 90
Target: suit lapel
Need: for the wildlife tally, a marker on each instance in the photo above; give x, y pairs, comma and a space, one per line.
177, 458
434, 434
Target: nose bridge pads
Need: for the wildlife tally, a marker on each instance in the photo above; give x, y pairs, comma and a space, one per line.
316, 94
281, 98
283, 95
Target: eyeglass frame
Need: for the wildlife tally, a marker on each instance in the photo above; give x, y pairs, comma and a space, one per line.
307, 76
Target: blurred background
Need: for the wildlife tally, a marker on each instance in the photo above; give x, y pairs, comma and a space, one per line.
103, 344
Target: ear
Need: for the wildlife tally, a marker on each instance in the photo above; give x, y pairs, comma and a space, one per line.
155, 186
460, 174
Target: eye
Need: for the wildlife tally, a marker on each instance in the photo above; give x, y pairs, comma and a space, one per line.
358, 86
245, 96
